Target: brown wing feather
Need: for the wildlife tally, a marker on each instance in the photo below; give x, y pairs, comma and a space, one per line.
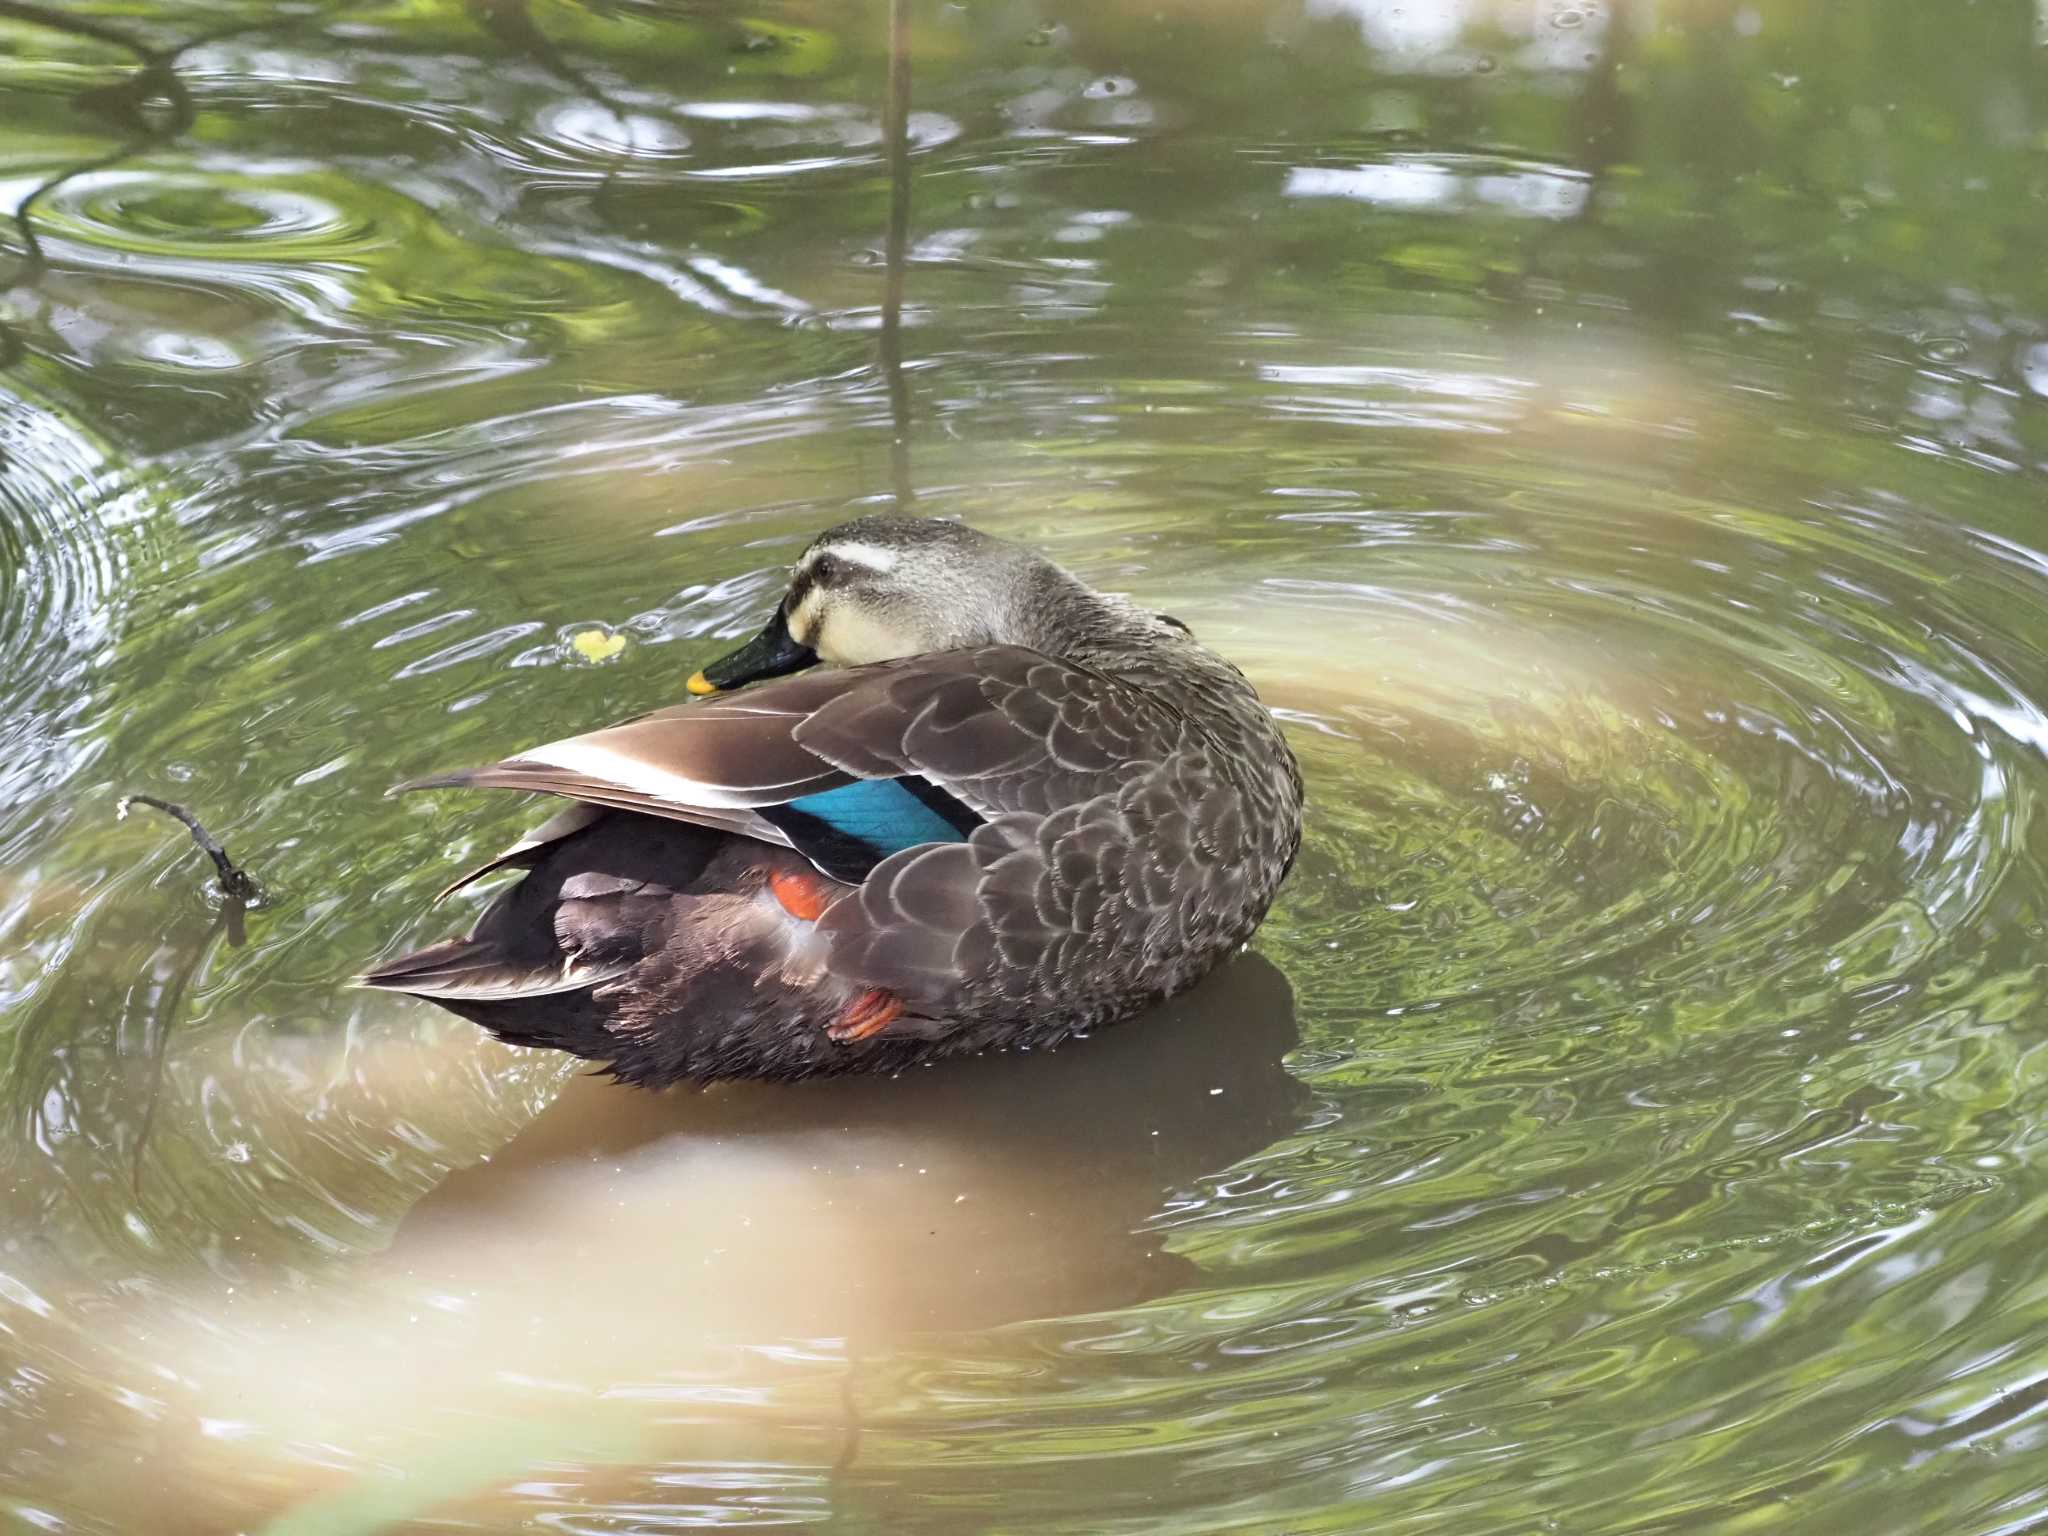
1004, 728
1115, 840
1116, 865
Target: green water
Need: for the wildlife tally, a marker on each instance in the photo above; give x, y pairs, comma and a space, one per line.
1613, 435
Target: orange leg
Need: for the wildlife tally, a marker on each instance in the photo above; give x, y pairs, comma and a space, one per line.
803, 893
870, 1013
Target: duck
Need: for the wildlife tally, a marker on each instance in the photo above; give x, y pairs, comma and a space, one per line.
949, 799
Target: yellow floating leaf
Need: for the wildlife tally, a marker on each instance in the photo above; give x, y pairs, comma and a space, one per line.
597, 645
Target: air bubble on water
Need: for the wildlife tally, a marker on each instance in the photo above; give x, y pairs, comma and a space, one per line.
2034, 368
182, 350
1568, 18
1484, 64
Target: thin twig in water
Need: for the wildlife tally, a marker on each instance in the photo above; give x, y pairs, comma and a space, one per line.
235, 882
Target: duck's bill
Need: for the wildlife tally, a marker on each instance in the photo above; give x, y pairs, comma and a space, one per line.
772, 653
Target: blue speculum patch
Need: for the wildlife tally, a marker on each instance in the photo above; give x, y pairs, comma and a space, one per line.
881, 813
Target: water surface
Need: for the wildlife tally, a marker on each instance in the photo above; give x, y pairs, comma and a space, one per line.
1612, 435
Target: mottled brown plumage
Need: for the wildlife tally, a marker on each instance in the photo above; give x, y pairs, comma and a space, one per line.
1044, 809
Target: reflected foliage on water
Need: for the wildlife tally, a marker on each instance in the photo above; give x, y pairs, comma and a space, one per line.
1613, 435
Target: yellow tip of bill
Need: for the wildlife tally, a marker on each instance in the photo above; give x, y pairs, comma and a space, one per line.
700, 684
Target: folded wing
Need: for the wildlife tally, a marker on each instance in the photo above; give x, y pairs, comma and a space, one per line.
1001, 812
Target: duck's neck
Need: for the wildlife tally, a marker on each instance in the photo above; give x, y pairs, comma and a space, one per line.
1055, 613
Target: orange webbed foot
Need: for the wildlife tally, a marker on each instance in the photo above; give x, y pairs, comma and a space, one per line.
803, 893
869, 1014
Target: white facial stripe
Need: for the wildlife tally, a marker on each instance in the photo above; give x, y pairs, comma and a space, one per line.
872, 556
839, 625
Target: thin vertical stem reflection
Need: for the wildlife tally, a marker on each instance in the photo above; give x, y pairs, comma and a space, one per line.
896, 135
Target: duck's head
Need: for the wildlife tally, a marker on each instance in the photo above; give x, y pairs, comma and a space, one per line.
882, 587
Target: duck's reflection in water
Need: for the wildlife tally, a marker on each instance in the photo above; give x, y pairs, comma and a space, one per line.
635, 1272
965, 1195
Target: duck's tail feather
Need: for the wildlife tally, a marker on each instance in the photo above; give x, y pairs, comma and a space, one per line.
479, 970
650, 944
524, 945
460, 778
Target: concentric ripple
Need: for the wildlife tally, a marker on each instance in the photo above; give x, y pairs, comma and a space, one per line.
250, 214
740, 141
1576, 771
1615, 451
64, 509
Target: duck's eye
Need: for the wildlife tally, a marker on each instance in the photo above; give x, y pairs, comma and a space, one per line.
826, 569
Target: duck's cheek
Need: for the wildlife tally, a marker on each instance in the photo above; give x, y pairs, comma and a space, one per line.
804, 620
849, 637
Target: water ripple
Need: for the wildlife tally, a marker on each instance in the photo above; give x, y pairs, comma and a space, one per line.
1653, 595
66, 509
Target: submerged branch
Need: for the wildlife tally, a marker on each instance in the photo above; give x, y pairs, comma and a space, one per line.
169, 1004
240, 890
